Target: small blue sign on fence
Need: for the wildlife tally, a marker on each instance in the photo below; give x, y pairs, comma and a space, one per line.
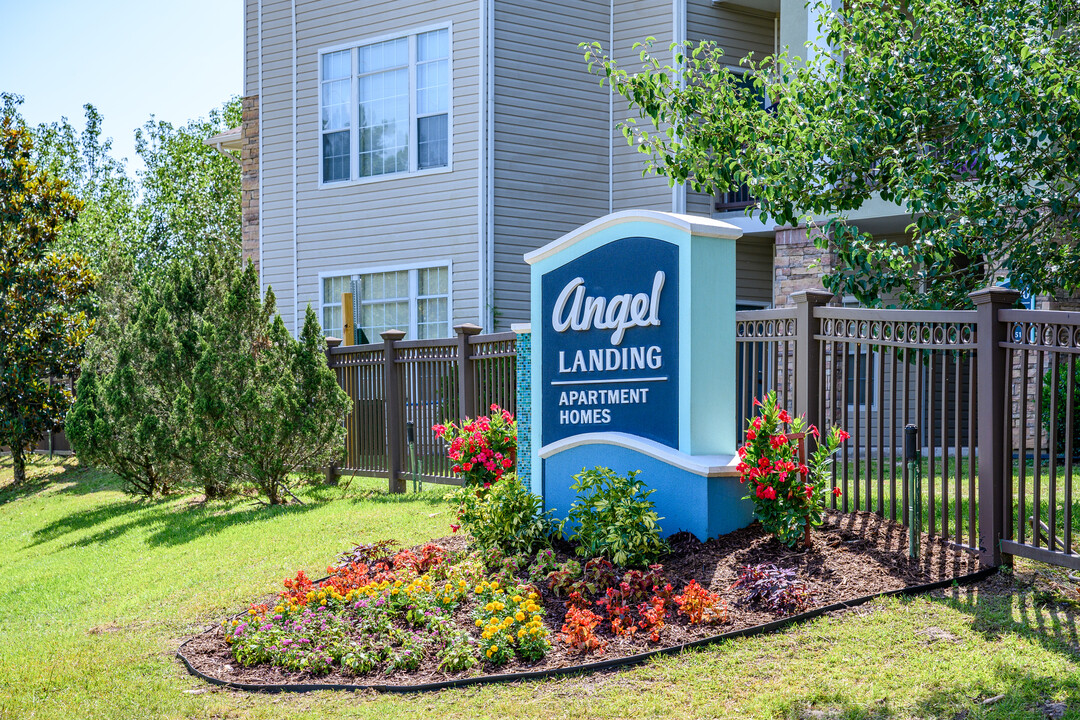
633, 367
610, 342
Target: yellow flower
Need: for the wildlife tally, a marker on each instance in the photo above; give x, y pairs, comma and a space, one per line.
519, 616
479, 622
521, 633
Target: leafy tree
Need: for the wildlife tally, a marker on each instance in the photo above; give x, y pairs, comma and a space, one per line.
190, 193
184, 204
43, 293
272, 399
966, 114
83, 159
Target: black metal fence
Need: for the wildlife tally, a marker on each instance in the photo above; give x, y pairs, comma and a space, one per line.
995, 379
423, 382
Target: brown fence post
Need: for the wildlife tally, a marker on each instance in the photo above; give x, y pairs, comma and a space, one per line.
466, 379
333, 472
394, 411
808, 355
991, 409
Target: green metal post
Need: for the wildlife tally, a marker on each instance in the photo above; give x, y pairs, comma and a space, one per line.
912, 456
410, 435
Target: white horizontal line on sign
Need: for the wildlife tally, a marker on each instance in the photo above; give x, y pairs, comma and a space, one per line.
704, 465
611, 381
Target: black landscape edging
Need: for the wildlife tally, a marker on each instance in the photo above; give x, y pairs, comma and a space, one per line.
593, 666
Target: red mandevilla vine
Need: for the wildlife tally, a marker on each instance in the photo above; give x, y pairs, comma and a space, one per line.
482, 450
789, 496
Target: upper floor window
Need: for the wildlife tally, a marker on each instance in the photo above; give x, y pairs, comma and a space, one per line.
385, 107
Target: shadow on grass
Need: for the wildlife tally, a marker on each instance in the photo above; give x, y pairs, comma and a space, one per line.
68, 478
1027, 695
1014, 691
173, 521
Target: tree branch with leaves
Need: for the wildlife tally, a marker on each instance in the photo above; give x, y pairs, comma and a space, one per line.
966, 115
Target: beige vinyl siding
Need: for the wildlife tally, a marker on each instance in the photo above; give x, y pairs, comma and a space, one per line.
251, 47
551, 138
276, 160
738, 33
754, 269
394, 221
636, 20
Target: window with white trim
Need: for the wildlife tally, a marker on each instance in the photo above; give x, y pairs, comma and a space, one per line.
385, 107
415, 300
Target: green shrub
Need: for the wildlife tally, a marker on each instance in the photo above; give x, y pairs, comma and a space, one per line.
139, 363
193, 376
506, 516
613, 518
1062, 409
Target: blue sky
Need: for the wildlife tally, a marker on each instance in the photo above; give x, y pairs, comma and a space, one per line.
131, 59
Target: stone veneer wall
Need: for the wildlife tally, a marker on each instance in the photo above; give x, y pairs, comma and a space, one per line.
249, 180
523, 413
792, 271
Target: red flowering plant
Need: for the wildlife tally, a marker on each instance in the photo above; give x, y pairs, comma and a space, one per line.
482, 450
789, 495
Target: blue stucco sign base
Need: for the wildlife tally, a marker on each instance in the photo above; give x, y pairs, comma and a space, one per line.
633, 364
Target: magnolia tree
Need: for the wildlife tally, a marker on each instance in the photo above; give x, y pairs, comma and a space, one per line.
43, 294
966, 114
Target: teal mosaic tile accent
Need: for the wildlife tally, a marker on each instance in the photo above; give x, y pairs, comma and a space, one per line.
524, 405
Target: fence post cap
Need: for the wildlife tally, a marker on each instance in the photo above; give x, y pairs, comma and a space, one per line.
467, 329
394, 335
995, 294
332, 342
814, 296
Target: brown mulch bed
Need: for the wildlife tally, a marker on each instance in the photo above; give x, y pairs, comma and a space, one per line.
854, 555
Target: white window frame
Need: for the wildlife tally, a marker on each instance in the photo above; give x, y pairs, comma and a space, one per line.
412, 331
354, 116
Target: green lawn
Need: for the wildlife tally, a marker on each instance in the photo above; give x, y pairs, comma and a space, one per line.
100, 589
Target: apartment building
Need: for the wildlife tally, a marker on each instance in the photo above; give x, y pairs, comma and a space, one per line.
412, 153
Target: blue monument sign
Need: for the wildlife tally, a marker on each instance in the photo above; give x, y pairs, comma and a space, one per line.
633, 364
611, 342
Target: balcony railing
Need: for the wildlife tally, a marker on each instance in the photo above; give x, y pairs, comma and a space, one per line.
738, 199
